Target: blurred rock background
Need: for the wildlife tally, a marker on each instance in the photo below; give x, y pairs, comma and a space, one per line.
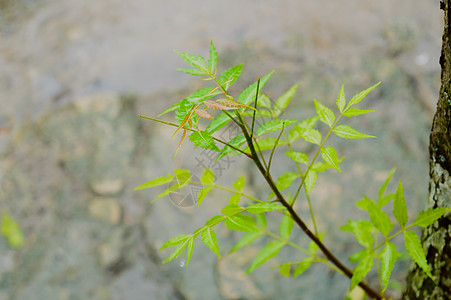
75, 75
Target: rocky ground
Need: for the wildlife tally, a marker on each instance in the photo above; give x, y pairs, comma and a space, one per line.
75, 75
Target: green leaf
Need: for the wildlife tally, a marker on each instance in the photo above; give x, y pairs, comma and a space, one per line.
426, 218
285, 227
247, 239
269, 251
230, 76
356, 112
347, 132
189, 251
195, 61
310, 181
295, 133
364, 203
179, 249
217, 123
213, 59
273, 125
267, 143
229, 210
182, 179
183, 109
358, 256
240, 223
359, 97
215, 220
325, 114
312, 246
156, 182
341, 99
208, 177
298, 157
204, 140
264, 101
10, 229
208, 236
261, 219
388, 255
302, 266
322, 166
203, 193
399, 206
311, 135
195, 98
385, 200
361, 270
284, 100
362, 232
195, 72
175, 241
248, 95
413, 245
329, 155
236, 142
379, 219
264, 207
239, 183
384, 186
285, 270
234, 199
285, 180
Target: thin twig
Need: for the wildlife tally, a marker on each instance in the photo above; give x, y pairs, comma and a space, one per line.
255, 106
273, 148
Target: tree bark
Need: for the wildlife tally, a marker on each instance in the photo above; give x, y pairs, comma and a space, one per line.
436, 238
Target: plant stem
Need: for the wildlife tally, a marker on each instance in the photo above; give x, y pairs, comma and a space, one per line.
368, 290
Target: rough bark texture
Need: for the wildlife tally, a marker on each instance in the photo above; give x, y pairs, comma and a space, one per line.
437, 237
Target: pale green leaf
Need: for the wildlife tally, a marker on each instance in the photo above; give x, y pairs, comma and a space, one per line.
363, 203
356, 112
269, 251
322, 166
217, 123
310, 181
347, 132
388, 256
234, 199
362, 232
230, 76
359, 97
273, 125
213, 59
285, 226
208, 236
298, 157
182, 179
208, 177
239, 183
195, 72
302, 266
295, 133
240, 223
175, 241
181, 246
384, 185
358, 256
285, 180
312, 246
311, 135
341, 99
361, 270
11, 230
236, 142
248, 95
426, 218
285, 270
329, 155
324, 113
204, 140
229, 210
264, 101
195, 98
386, 199
399, 206
215, 220
264, 207
203, 193
156, 182
413, 245
189, 251
281, 104
195, 61
261, 219
247, 239
379, 219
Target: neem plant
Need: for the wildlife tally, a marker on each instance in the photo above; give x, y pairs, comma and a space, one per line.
248, 214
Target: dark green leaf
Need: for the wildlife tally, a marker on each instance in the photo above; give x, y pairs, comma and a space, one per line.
247, 239
361, 270
284, 100
204, 140
388, 255
156, 182
325, 114
240, 223
208, 236
399, 206
413, 245
269, 251
347, 132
